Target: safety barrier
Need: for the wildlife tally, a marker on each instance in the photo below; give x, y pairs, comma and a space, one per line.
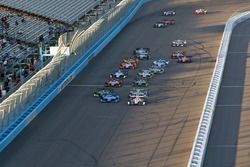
50, 71
202, 135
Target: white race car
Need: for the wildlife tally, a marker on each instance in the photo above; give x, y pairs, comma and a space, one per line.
137, 101
156, 69
179, 42
138, 93
143, 51
200, 11
119, 74
160, 63
145, 74
169, 13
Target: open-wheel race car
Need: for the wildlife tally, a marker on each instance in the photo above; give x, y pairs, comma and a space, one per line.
142, 51
160, 24
128, 65
169, 13
145, 74
184, 59
137, 101
136, 92
200, 11
161, 63
113, 82
140, 82
179, 43
133, 60
119, 74
177, 53
110, 98
169, 21
156, 69
142, 56
102, 91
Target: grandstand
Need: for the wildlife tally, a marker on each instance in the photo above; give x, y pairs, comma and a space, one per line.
25, 25
67, 11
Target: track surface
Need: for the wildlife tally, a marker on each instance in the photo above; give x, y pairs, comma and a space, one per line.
229, 140
76, 130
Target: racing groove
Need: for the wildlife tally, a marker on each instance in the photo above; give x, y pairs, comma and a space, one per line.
76, 130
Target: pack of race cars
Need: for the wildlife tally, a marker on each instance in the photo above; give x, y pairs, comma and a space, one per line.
138, 94
166, 22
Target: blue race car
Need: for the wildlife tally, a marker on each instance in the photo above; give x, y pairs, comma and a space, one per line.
110, 98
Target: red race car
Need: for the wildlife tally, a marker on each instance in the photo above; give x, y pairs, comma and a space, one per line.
200, 12
169, 21
113, 82
128, 65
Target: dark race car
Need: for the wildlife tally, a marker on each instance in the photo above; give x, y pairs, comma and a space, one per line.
101, 91
137, 101
169, 21
177, 53
184, 59
169, 13
113, 82
160, 24
144, 51
119, 74
110, 98
156, 69
140, 82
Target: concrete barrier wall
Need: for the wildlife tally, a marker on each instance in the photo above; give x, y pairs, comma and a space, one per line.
202, 135
38, 105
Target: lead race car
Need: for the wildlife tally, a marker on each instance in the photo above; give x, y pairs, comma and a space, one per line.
169, 13
119, 74
110, 98
143, 51
178, 43
113, 82
200, 11
137, 101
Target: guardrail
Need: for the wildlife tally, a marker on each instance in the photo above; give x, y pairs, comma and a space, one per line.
202, 135
19, 123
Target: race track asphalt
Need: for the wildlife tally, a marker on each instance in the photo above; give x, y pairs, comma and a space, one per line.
229, 138
75, 130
